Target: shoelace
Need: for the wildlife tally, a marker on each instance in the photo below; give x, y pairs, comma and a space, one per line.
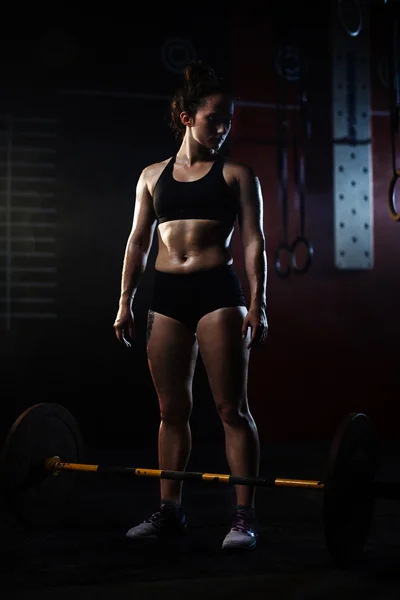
154, 518
242, 523
159, 516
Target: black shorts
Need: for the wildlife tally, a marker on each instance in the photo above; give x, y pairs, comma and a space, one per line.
188, 297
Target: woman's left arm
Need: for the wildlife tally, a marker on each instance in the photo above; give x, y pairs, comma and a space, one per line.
253, 240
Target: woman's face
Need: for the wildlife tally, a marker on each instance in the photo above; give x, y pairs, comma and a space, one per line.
213, 120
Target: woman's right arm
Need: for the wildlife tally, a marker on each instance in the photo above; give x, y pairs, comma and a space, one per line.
136, 252
139, 240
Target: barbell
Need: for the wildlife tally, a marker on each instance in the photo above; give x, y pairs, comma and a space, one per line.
44, 452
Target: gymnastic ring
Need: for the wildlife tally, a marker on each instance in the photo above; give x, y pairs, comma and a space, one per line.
301, 240
391, 196
350, 32
283, 247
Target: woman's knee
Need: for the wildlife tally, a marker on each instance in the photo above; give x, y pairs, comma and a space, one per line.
234, 414
175, 411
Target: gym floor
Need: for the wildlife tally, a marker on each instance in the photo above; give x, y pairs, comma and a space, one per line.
86, 556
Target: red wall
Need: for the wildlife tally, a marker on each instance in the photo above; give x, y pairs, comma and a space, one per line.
334, 335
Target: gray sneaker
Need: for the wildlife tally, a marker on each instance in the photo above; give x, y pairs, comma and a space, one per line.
165, 522
243, 534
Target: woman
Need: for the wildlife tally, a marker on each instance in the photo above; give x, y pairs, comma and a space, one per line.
192, 199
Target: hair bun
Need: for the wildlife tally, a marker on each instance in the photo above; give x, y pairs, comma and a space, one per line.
198, 71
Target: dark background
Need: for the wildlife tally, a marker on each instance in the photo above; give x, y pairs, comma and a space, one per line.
333, 342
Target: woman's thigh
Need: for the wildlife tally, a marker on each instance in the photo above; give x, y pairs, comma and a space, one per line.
172, 353
225, 355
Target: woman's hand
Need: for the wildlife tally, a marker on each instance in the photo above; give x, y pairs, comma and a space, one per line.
256, 319
123, 325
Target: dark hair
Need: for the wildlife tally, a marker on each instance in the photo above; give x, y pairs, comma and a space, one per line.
200, 82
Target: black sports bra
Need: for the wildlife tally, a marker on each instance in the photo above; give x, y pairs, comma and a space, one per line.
209, 197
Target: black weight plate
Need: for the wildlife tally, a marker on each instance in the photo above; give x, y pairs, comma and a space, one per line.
33, 495
349, 503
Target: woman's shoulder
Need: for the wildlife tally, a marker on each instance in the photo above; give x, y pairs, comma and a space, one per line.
238, 168
155, 168
152, 172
